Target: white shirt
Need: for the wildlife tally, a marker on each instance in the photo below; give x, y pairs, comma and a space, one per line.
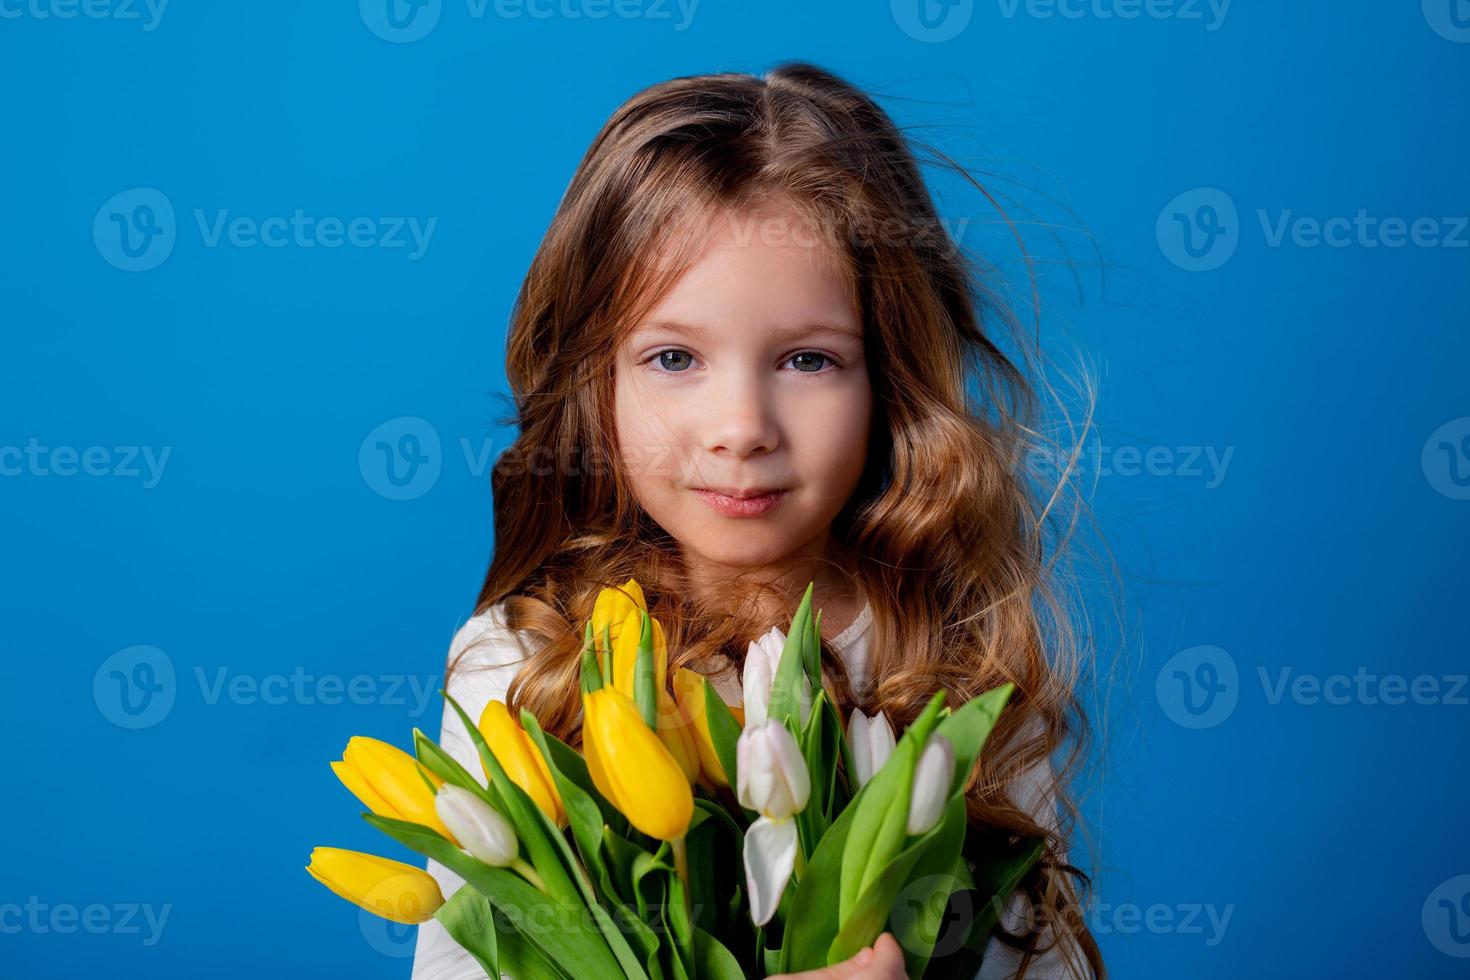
492, 652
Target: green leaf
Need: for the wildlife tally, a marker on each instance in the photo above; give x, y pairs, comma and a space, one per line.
713, 961
821, 764
838, 795
724, 730
442, 764
576, 950
529, 822
570, 763
621, 854
470, 922
587, 811
814, 907
785, 703
997, 875
591, 675
582, 811
878, 828
917, 913
645, 680
941, 846
969, 725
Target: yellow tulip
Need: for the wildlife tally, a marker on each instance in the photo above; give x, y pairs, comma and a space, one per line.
521, 760
632, 768
386, 779
391, 889
689, 691
613, 606
676, 731
625, 654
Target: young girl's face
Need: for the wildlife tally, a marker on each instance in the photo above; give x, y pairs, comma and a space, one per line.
747, 376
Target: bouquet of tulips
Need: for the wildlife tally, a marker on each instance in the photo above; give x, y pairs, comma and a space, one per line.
621, 861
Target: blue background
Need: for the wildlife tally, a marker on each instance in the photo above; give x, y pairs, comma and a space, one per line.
1333, 542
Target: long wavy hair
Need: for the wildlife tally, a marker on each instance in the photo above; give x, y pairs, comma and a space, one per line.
948, 535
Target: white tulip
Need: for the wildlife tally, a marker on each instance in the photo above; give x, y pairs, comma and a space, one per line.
932, 778
479, 827
872, 741
770, 773
770, 777
762, 659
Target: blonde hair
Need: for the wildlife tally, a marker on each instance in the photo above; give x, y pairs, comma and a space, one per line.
954, 547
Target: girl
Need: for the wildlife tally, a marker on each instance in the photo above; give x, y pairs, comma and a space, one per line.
747, 356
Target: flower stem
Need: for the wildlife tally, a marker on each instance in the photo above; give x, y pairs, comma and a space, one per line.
681, 862
527, 872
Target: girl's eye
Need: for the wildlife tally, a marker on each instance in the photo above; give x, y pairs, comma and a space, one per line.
812, 360
670, 360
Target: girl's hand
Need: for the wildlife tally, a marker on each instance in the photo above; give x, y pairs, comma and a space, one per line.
881, 961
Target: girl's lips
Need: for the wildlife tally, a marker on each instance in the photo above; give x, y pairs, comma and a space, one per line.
741, 507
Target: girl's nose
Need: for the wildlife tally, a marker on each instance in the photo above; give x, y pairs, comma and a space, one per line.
740, 419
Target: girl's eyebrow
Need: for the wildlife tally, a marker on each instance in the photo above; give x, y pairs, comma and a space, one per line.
785, 334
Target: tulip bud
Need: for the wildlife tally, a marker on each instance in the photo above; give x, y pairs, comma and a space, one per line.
391, 889
770, 774
613, 606
389, 781
632, 768
762, 660
521, 760
872, 741
478, 826
932, 778
689, 691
